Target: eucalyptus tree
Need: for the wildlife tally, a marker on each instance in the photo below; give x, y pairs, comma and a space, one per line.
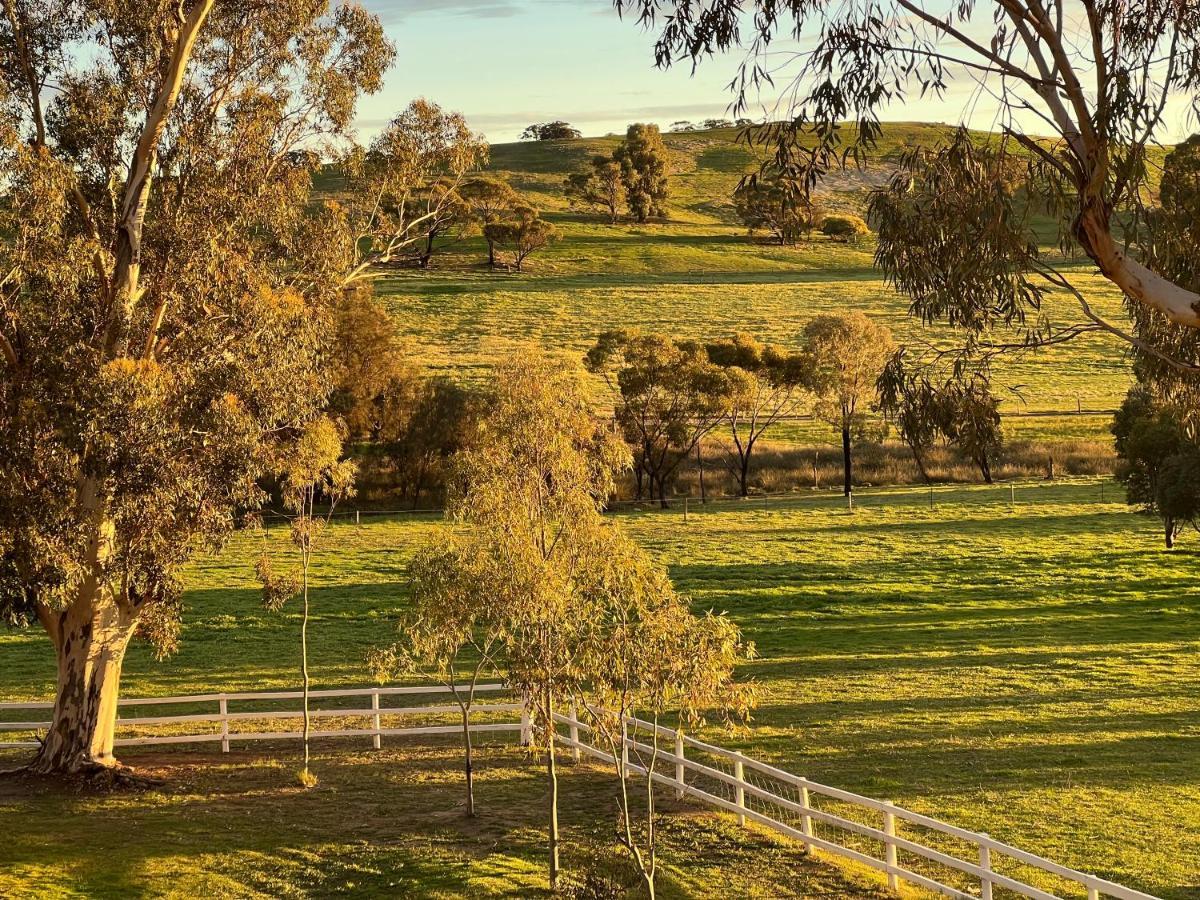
488, 200
521, 231
1105, 81
844, 356
599, 186
642, 156
669, 396
310, 471
767, 384
166, 307
530, 489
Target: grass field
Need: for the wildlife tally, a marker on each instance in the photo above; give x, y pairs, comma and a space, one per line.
699, 275
1030, 672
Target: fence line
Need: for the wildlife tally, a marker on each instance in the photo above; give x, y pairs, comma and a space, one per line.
817, 815
910, 495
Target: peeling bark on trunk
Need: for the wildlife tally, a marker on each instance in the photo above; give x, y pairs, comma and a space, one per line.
90, 640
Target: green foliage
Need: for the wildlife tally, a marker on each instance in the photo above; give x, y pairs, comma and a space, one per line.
438, 418
550, 131
600, 186
1160, 463
781, 207
642, 157
669, 396
521, 231
766, 384
489, 200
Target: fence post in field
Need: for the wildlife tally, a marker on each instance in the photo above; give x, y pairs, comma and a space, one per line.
890, 855
739, 772
357, 520
985, 863
931, 496
685, 507
1012, 496
224, 725
679, 769
850, 501
378, 739
1093, 893
574, 732
805, 819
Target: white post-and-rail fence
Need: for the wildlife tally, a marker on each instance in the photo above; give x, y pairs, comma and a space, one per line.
906, 846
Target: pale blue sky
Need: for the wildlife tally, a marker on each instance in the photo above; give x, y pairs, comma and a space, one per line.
507, 63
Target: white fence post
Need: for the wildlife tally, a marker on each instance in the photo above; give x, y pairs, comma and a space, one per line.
224, 725
625, 746
574, 732
985, 863
892, 857
526, 730
739, 772
679, 768
1093, 893
805, 818
378, 737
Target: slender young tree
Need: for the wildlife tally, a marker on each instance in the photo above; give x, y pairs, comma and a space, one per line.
452, 632
650, 656
165, 307
600, 186
312, 471
531, 488
844, 357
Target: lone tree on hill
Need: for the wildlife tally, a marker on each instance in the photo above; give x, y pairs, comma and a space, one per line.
1104, 80
600, 186
642, 157
767, 383
844, 355
782, 207
550, 131
521, 231
164, 327
488, 200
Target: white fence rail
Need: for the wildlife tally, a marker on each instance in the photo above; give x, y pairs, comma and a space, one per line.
906, 846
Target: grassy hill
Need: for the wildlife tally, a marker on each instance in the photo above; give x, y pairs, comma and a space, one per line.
699, 275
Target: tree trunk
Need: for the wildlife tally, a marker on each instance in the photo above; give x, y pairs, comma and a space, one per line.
700, 466
919, 459
552, 776
1169, 532
468, 763
491, 254
90, 639
846, 461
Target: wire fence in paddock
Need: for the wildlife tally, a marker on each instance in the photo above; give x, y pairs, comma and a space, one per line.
1012, 494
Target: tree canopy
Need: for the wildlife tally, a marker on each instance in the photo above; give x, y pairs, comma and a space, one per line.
165, 326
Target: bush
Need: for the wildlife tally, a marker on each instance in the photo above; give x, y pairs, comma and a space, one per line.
845, 227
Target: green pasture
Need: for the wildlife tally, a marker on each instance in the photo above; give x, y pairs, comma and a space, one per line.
1029, 669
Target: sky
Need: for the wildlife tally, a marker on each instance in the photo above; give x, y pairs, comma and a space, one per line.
505, 64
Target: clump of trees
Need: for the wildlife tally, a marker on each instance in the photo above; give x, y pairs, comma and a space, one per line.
766, 384
781, 206
540, 586
1160, 462
844, 355
550, 131
669, 396
960, 410
635, 175
488, 201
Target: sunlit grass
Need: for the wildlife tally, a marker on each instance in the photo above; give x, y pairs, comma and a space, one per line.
1031, 671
